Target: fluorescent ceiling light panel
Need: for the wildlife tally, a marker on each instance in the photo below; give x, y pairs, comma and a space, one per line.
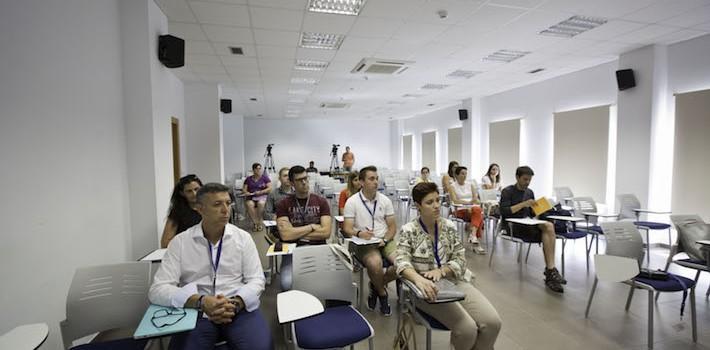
466, 74
310, 40
304, 81
573, 26
299, 92
506, 56
310, 65
412, 95
296, 100
340, 7
434, 86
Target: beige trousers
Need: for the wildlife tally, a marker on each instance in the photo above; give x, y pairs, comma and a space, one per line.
474, 322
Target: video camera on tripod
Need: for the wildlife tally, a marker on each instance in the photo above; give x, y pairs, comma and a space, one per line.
334, 151
268, 149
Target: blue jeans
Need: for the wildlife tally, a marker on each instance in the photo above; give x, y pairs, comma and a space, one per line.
248, 330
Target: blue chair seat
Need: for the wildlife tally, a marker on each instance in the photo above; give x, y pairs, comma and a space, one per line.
127, 344
336, 327
652, 225
669, 285
434, 323
572, 235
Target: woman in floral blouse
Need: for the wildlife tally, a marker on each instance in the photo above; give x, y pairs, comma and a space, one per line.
474, 322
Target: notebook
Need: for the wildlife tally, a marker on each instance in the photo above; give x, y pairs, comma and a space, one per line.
541, 205
146, 329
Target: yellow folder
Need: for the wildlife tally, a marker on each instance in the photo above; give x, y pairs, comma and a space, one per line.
541, 205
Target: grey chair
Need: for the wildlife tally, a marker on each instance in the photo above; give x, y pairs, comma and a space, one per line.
408, 295
564, 195
318, 270
584, 205
630, 209
106, 297
694, 259
621, 263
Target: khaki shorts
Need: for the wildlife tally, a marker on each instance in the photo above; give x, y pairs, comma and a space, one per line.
361, 250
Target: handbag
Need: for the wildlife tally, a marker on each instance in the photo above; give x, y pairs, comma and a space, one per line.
405, 339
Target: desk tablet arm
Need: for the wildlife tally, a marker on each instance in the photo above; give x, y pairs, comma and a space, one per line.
445, 297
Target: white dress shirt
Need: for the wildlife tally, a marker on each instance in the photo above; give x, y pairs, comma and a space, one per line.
186, 269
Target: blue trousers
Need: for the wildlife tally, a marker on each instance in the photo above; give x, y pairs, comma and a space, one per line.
248, 330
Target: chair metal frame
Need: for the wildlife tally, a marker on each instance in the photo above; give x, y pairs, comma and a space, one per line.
406, 300
676, 249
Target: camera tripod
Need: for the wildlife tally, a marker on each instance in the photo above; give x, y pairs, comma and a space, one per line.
269, 160
334, 159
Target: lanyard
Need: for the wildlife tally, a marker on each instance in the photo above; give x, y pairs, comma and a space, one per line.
436, 241
215, 263
374, 209
302, 213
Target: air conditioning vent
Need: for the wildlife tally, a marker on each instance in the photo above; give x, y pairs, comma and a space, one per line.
380, 66
334, 105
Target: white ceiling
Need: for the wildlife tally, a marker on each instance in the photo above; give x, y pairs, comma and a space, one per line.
269, 31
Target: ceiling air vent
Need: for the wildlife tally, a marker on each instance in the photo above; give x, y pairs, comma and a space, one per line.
334, 105
380, 66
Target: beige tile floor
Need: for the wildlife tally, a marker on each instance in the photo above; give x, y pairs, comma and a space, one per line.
535, 318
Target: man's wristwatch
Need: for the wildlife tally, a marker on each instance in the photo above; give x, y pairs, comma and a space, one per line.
199, 302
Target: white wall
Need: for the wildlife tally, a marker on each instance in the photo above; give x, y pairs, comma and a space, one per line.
63, 151
298, 141
233, 137
536, 103
440, 121
204, 145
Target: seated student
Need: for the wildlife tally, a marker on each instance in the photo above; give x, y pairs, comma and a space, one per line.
474, 322
353, 188
214, 267
276, 196
370, 214
311, 168
491, 181
301, 217
515, 202
256, 188
423, 176
448, 179
182, 214
464, 192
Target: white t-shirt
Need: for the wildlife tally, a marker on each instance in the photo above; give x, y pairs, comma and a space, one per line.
485, 180
463, 192
358, 208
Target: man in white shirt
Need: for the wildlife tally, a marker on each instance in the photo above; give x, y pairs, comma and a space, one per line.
370, 214
214, 267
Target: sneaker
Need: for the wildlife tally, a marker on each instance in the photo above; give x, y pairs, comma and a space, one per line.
385, 306
372, 298
552, 282
478, 249
554, 274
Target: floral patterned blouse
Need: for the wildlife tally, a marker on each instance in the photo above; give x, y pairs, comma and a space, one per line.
415, 248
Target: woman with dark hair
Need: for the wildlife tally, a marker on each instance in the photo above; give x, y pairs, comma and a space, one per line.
182, 214
423, 176
353, 187
429, 250
491, 181
256, 188
448, 179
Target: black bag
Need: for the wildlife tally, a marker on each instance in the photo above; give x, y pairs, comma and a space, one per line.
560, 225
658, 275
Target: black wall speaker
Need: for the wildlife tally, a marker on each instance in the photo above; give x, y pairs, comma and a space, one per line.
225, 106
171, 51
625, 79
463, 114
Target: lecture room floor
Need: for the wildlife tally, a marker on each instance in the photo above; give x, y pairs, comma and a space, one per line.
536, 318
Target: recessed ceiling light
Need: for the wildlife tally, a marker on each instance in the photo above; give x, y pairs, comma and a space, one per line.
506, 56
573, 26
412, 95
340, 7
299, 92
466, 74
310, 65
236, 50
305, 81
434, 86
323, 41
395, 102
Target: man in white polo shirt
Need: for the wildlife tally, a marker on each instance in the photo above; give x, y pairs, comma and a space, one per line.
370, 214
